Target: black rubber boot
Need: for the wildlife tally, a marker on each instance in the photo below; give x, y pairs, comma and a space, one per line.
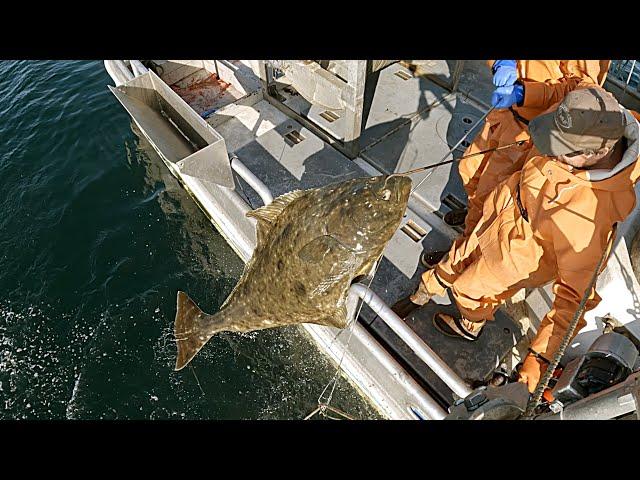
430, 259
404, 307
453, 327
455, 218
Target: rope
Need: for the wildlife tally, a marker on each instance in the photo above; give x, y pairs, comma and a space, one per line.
454, 147
544, 382
322, 411
196, 377
333, 382
482, 152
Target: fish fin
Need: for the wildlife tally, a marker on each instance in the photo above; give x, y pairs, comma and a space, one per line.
340, 317
228, 299
269, 213
317, 249
243, 277
193, 328
262, 230
365, 268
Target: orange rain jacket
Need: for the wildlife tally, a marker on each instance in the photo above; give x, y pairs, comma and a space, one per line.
571, 214
545, 82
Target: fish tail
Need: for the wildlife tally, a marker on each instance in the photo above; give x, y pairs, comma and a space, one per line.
193, 328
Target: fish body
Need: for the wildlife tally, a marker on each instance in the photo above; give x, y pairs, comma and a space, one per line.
311, 245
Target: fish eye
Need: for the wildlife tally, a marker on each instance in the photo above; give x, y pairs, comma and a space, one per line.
385, 194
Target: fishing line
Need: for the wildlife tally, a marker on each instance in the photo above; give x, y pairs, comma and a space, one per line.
322, 406
464, 137
196, 377
481, 152
244, 194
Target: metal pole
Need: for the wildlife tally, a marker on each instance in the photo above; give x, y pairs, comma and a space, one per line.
421, 349
626, 85
423, 400
253, 181
356, 79
482, 152
137, 67
455, 76
118, 71
633, 64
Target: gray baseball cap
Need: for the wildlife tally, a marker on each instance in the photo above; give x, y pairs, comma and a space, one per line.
587, 119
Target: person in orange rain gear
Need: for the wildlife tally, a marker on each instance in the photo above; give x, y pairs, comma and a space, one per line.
551, 221
545, 82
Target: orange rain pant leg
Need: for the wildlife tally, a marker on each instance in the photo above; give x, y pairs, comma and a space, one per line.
478, 292
462, 253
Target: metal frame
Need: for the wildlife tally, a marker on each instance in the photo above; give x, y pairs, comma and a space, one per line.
613, 402
356, 92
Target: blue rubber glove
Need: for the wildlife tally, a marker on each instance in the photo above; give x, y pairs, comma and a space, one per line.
504, 97
504, 73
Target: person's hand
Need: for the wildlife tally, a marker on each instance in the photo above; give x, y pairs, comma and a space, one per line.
531, 371
504, 73
504, 97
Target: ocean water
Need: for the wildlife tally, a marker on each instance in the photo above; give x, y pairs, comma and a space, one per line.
96, 237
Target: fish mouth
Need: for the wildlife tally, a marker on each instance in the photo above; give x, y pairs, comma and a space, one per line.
400, 185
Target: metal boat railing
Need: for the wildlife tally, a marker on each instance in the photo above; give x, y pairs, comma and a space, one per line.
413, 341
253, 181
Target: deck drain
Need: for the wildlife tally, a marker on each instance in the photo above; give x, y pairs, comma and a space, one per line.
329, 116
414, 231
403, 75
294, 137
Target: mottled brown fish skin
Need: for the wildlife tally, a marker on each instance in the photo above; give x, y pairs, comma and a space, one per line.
305, 260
